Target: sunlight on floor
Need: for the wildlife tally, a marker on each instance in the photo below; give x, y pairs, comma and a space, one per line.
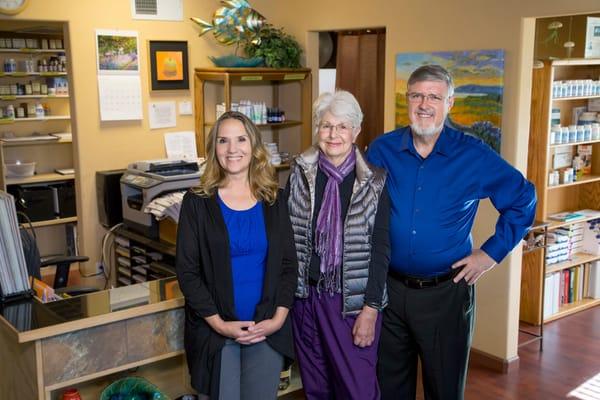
588, 390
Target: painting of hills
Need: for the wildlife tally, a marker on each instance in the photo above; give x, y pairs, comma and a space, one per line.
478, 90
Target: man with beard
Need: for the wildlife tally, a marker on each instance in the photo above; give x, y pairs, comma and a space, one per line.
436, 177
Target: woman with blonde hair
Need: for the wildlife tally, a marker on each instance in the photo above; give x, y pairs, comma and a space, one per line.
236, 266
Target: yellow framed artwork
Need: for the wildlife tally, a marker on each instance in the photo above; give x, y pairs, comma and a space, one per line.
168, 65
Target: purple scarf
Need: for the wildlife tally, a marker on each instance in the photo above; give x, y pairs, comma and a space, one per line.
328, 232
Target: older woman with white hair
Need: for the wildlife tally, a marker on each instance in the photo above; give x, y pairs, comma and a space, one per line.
339, 209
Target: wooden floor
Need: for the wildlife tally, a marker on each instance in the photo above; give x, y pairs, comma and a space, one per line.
571, 356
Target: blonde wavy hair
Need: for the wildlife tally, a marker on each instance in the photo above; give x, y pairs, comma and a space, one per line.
261, 174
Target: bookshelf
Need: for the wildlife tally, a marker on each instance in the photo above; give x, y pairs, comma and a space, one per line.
584, 193
34, 83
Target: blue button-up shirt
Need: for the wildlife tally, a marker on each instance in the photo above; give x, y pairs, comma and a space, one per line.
434, 200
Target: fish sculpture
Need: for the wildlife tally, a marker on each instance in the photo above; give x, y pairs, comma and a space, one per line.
235, 22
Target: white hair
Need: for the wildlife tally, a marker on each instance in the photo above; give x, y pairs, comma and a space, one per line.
341, 104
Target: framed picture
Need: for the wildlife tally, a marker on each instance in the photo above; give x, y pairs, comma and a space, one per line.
479, 89
168, 65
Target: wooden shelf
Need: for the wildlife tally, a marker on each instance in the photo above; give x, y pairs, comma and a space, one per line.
252, 74
559, 224
25, 74
277, 125
572, 308
48, 118
29, 51
584, 179
25, 143
576, 98
33, 96
576, 259
50, 222
50, 177
572, 62
552, 146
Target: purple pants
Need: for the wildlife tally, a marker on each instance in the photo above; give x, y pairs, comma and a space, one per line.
331, 366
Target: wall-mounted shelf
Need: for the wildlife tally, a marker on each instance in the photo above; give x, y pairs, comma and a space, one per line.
572, 308
553, 146
34, 96
34, 51
51, 222
34, 142
576, 259
576, 98
48, 118
39, 178
581, 181
277, 125
25, 74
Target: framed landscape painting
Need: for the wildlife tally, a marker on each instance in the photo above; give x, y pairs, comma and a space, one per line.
478, 90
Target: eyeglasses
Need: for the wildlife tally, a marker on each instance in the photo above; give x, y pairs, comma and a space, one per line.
340, 128
415, 97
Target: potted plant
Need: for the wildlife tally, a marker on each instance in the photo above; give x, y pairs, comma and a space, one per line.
276, 47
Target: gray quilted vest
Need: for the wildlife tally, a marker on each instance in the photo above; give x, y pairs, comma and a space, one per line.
357, 228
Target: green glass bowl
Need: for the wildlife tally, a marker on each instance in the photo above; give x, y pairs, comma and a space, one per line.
232, 61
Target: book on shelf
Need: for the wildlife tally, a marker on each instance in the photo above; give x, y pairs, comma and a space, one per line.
594, 280
567, 216
65, 171
589, 213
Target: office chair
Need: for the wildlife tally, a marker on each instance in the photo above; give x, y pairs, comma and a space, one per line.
34, 264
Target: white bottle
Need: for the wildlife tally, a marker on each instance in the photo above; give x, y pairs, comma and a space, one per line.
39, 110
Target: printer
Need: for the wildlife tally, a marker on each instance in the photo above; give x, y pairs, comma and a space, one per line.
143, 181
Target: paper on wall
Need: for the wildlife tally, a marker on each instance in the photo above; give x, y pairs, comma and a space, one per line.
162, 114
181, 145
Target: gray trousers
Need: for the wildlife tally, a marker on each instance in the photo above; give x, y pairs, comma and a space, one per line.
249, 372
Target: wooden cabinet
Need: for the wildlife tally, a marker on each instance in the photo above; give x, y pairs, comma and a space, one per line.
548, 109
35, 126
286, 89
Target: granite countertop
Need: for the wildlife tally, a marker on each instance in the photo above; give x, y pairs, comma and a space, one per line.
31, 319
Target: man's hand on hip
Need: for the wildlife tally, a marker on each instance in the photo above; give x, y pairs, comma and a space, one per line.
474, 266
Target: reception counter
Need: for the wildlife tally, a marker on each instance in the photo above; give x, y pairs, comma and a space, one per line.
91, 340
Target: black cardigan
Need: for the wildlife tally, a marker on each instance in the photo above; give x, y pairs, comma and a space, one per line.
203, 266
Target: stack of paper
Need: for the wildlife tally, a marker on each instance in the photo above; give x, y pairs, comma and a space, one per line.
13, 270
165, 206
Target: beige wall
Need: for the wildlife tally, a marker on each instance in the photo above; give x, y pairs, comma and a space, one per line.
451, 25
411, 26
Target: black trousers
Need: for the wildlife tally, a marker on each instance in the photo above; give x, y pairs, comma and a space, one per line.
434, 324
